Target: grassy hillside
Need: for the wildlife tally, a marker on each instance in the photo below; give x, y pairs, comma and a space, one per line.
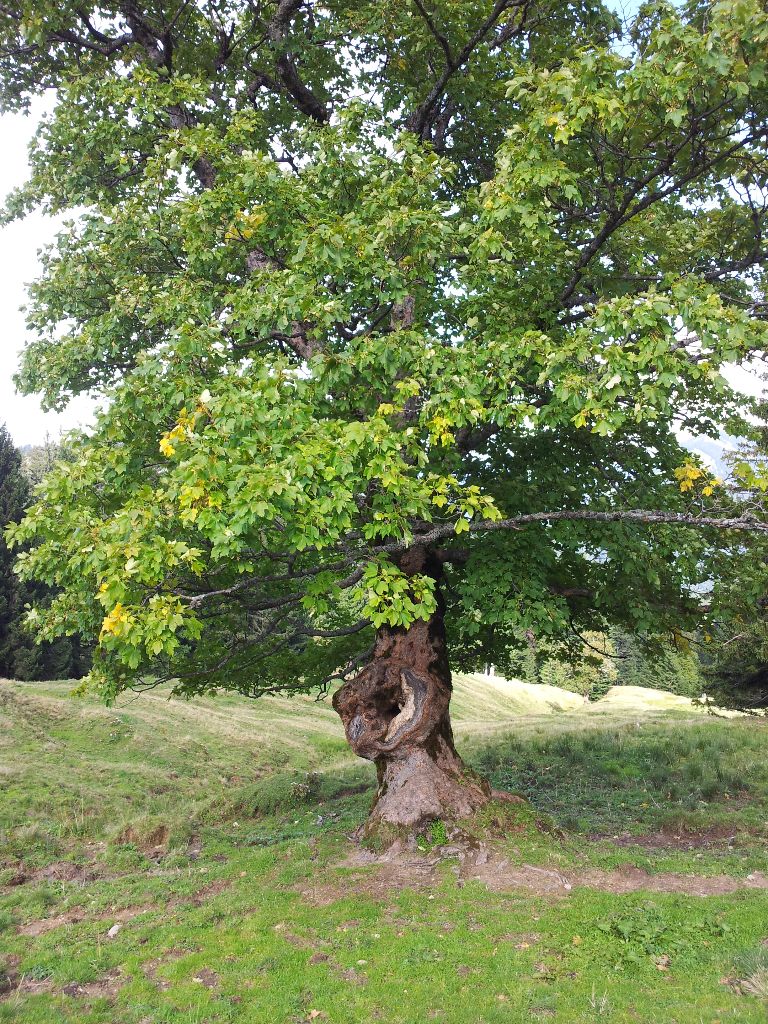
165, 862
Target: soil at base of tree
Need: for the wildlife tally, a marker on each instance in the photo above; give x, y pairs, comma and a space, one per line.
405, 867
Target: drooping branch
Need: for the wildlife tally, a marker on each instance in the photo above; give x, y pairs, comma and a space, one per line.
195, 600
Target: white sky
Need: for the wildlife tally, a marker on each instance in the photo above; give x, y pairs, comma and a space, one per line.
19, 245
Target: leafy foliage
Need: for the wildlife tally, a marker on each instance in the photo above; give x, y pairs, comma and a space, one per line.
354, 277
20, 657
735, 657
647, 932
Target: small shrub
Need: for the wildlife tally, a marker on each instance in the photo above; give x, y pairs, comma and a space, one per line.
274, 793
125, 857
435, 835
306, 789
755, 985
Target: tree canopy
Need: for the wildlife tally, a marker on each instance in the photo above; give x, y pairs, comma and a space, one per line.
361, 278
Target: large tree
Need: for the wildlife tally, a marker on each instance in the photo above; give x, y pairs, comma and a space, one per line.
398, 308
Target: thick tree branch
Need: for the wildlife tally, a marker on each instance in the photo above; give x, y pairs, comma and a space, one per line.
160, 56
422, 117
298, 341
646, 517
643, 517
107, 46
287, 72
438, 35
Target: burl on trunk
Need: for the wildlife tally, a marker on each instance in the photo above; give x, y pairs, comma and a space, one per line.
395, 713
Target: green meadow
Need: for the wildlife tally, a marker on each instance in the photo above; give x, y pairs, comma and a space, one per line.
164, 862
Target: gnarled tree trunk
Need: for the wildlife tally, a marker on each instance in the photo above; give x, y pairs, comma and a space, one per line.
396, 713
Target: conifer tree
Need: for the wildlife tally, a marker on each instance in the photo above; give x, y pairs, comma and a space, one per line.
14, 497
61, 657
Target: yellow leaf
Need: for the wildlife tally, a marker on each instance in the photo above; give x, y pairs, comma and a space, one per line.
117, 622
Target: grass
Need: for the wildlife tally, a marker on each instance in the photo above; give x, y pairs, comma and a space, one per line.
612, 779
209, 840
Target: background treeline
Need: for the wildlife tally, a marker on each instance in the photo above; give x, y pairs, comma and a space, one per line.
595, 662
20, 656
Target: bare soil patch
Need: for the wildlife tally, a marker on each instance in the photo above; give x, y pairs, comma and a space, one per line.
212, 889
153, 844
20, 985
197, 899
47, 924
106, 987
194, 847
350, 974
207, 978
378, 875
714, 837
61, 871
77, 914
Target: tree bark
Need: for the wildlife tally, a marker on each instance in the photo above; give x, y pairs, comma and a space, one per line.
396, 714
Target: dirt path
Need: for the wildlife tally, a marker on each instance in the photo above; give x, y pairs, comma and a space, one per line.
379, 875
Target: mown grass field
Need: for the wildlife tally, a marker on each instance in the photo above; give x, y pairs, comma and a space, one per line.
172, 863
